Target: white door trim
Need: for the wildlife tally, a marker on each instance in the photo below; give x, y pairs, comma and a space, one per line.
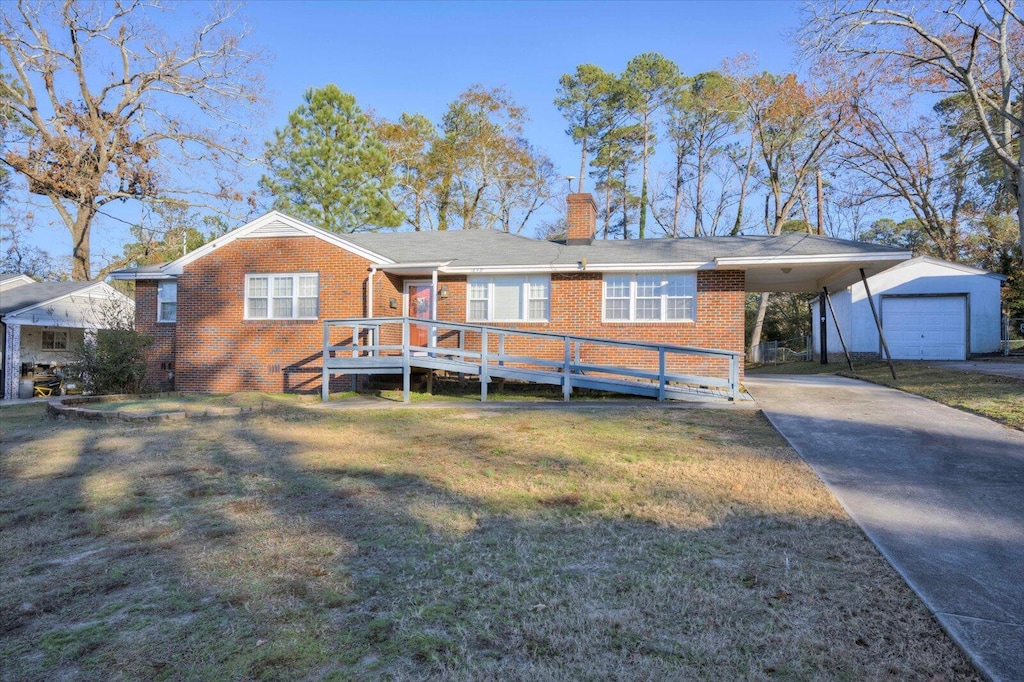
432, 340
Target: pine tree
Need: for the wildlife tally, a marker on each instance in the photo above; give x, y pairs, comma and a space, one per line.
328, 167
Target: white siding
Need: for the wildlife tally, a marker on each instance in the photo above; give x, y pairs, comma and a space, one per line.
32, 345
275, 228
89, 310
917, 276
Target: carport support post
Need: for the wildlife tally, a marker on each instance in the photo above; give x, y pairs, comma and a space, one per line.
823, 328
842, 341
878, 324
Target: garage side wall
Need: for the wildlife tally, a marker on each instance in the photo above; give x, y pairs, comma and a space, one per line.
924, 279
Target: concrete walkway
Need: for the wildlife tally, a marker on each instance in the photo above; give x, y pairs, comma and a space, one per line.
1014, 370
940, 492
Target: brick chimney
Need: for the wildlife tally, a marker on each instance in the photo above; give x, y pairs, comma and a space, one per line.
581, 219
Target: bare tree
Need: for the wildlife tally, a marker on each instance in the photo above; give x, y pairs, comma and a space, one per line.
109, 108
973, 47
925, 162
794, 127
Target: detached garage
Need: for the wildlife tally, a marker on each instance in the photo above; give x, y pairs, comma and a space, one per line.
930, 309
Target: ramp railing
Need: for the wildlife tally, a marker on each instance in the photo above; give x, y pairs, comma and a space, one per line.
396, 345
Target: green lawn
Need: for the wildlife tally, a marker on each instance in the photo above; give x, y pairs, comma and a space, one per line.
458, 543
998, 398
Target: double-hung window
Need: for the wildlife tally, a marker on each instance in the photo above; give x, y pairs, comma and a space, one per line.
167, 301
55, 340
282, 296
650, 297
509, 299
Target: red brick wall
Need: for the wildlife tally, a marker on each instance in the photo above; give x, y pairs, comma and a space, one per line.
218, 350
576, 301
215, 349
581, 217
160, 355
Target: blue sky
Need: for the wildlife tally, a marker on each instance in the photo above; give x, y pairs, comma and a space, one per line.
418, 56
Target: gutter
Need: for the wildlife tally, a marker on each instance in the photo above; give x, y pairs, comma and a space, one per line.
812, 260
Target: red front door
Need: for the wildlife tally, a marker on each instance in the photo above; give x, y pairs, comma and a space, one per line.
420, 306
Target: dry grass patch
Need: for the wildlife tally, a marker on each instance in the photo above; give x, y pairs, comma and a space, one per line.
403, 544
995, 397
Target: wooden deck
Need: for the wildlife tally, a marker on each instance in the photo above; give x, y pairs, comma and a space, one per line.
357, 346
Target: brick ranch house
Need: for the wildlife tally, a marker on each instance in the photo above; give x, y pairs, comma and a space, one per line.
245, 312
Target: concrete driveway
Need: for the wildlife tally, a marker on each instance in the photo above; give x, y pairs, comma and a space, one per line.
1014, 370
940, 492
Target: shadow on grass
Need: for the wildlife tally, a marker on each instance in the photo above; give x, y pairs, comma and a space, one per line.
288, 546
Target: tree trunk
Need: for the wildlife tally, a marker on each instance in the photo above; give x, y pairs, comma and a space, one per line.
698, 210
1019, 181
625, 207
583, 166
738, 225
444, 202
677, 201
607, 208
762, 308
643, 182
80, 271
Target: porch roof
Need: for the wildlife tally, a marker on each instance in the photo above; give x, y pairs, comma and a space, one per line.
81, 305
31, 295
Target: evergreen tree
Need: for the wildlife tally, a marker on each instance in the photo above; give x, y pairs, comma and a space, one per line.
582, 98
328, 167
649, 82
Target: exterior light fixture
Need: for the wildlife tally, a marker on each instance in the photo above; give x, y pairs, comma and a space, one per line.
444, 291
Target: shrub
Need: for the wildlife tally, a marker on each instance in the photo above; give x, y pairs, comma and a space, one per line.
113, 359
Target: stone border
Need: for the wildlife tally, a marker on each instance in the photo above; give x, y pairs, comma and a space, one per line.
70, 407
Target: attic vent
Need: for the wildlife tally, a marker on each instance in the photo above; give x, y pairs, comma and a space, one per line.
275, 228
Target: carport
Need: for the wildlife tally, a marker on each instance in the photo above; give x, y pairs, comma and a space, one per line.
803, 263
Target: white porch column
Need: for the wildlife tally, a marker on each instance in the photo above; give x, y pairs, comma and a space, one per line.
12, 360
433, 297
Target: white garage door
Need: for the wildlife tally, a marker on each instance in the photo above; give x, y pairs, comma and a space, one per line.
926, 327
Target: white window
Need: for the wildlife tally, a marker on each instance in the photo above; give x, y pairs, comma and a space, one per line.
167, 301
509, 299
55, 340
282, 296
650, 298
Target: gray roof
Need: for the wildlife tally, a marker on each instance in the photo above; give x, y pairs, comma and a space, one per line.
34, 294
494, 250
480, 248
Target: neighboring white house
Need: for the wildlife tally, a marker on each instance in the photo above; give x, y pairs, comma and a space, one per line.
41, 321
930, 309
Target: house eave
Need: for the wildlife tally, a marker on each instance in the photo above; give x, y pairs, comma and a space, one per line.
17, 316
786, 261
425, 268
176, 267
132, 276
580, 266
